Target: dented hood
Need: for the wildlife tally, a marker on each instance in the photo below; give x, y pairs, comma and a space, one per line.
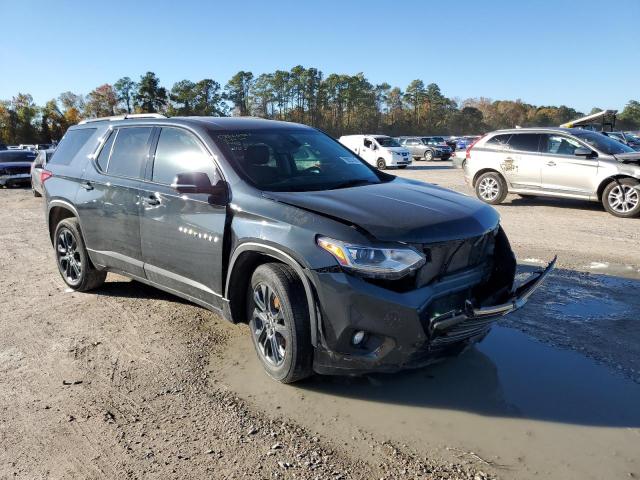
632, 157
400, 210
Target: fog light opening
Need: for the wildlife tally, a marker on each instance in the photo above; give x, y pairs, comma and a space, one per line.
358, 337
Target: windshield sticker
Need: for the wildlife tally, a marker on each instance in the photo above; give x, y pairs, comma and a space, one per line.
350, 160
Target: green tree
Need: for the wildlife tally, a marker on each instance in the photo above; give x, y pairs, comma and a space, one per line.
237, 92
150, 97
630, 116
101, 102
415, 95
125, 89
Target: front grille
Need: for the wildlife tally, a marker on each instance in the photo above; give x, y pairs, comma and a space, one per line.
15, 170
463, 331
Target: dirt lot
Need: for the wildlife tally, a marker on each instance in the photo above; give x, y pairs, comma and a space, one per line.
129, 382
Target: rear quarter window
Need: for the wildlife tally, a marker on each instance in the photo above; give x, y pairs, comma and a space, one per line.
70, 145
498, 141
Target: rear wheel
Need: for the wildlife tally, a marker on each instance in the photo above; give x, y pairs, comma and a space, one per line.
279, 322
72, 258
381, 164
491, 188
622, 198
428, 155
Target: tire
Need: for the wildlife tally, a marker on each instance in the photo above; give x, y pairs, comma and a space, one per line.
278, 319
622, 198
491, 188
381, 164
402, 166
72, 258
35, 193
428, 155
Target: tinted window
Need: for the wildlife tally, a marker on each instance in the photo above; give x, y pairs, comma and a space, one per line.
559, 144
603, 143
103, 157
293, 160
70, 145
129, 152
526, 142
179, 151
500, 141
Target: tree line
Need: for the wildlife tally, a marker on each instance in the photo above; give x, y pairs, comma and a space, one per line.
337, 103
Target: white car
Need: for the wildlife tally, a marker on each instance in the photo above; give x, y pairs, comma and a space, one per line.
379, 150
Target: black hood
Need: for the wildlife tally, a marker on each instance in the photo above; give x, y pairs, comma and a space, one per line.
400, 210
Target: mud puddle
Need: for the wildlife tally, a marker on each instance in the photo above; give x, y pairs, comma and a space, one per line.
528, 409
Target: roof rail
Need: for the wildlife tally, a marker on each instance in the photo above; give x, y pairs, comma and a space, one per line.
122, 117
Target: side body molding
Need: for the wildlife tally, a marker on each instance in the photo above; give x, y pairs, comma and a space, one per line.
287, 259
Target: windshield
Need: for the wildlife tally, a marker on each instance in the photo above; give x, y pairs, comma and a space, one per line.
294, 160
603, 143
387, 142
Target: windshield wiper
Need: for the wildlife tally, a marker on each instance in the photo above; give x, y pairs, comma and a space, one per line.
352, 183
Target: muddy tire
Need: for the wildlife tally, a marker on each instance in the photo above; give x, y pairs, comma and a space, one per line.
278, 319
622, 198
491, 188
72, 258
381, 164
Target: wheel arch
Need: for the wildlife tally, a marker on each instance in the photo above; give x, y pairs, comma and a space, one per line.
481, 172
609, 180
59, 210
245, 259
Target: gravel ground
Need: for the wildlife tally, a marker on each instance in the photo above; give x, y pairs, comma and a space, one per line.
117, 384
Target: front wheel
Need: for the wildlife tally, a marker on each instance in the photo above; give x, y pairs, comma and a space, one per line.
622, 198
279, 322
491, 188
72, 258
381, 164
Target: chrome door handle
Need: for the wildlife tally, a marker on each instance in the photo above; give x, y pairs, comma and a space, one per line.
551, 163
151, 200
87, 185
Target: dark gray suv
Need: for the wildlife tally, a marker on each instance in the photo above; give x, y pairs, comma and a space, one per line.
336, 267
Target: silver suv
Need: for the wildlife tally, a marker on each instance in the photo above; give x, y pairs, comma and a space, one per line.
426, 148
556, 162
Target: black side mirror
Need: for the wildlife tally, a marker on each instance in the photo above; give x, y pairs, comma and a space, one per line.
192, 182
374, 146
582, 152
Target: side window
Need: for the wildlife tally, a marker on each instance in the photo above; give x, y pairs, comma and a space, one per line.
367, 143
559, 145
499, 141
103, 156
129, 152
524, 142
179, 151
71, 144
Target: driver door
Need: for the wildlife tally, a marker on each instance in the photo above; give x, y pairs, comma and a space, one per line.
368, 150
563, 171
182, 234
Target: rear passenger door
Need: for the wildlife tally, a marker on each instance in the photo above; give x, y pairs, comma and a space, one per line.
522, 163
109, 200
182, 234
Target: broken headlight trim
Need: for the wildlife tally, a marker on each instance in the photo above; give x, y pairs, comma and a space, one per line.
374, 262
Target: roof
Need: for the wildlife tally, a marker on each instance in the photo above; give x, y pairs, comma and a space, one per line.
570, 131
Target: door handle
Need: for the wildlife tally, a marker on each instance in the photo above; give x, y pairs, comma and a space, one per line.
87, 185
151, 200
551, 163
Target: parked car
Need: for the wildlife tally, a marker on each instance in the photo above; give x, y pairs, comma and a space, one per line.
626, 138
452, 142
337, 267
15, 166
3, 146
426, 148
556, 162
379, 150
38, 165
463, 143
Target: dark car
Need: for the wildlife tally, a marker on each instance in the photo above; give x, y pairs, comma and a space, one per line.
15, 167
627, 138
426, 148
37, 167
337, 267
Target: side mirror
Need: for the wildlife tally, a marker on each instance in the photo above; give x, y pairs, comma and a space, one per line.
582, 152
374, 146
192, 182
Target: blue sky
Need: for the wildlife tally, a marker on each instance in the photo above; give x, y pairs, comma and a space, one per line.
539, 51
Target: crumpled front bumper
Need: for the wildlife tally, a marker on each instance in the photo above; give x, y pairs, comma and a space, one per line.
406, 337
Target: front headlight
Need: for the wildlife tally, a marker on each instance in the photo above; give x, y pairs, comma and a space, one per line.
372, 261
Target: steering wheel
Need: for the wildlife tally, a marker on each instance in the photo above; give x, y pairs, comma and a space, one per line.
315, 170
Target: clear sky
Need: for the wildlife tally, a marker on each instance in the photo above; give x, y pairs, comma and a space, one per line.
579, 53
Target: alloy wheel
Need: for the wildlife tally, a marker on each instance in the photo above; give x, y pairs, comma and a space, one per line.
69, 259
269, 328
623, 198
489, 189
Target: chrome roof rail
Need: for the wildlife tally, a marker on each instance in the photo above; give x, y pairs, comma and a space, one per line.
122, 117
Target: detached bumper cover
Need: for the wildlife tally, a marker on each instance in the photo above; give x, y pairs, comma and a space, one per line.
402, 334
